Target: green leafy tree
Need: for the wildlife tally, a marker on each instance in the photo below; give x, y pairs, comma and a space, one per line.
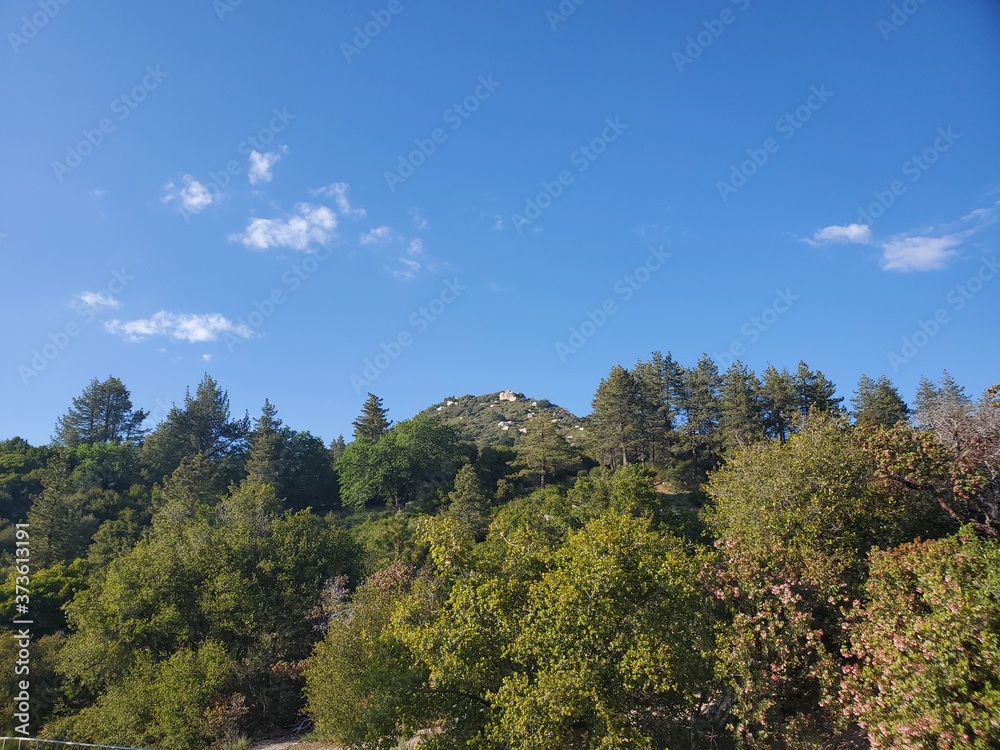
408, 463
363, 688
103, 413
795, 522
815, 391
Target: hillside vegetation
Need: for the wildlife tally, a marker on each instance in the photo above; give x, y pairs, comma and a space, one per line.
725, 560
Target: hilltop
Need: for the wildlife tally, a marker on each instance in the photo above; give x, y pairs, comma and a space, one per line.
498, 418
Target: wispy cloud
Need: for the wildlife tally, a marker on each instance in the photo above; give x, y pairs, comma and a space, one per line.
928, 249
191, 195
262, 164
382, 235
308, 225
179, 326
338, 191
419, 222
95, 301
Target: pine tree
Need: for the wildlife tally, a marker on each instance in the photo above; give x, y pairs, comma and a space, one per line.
543, 451
103, 413
699, 404
878, 403
337, 448
468, 504
780, 403
815, 391
203, 426
266, 449
372, 423
741, 406
617, 418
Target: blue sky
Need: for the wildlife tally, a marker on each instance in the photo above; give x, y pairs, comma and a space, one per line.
480, 196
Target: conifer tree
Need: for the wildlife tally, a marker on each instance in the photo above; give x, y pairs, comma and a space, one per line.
372, 422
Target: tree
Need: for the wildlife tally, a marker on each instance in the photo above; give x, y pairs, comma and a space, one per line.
660, 381
203, 426
795, 522
741, 407
814, 391
408, 463
924, 651
468, 505
363, 688
372, 422
103, 413
780, 403
543, 451
878, 403
618, 633
617, 418
699, 404
266, 448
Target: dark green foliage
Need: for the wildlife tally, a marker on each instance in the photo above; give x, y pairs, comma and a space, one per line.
202, 426
878, 403
372, 423
103, 413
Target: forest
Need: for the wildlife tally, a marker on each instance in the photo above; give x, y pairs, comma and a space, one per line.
707, 560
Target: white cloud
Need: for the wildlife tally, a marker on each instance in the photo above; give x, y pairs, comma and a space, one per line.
262, 164
416, 247
904, 253
192, 195
309, 224
338, 191
857, 234
179, 326
377, 236
98, 193
95, 301
207, 357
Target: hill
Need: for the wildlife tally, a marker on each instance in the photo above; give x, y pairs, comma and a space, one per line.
498, 418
